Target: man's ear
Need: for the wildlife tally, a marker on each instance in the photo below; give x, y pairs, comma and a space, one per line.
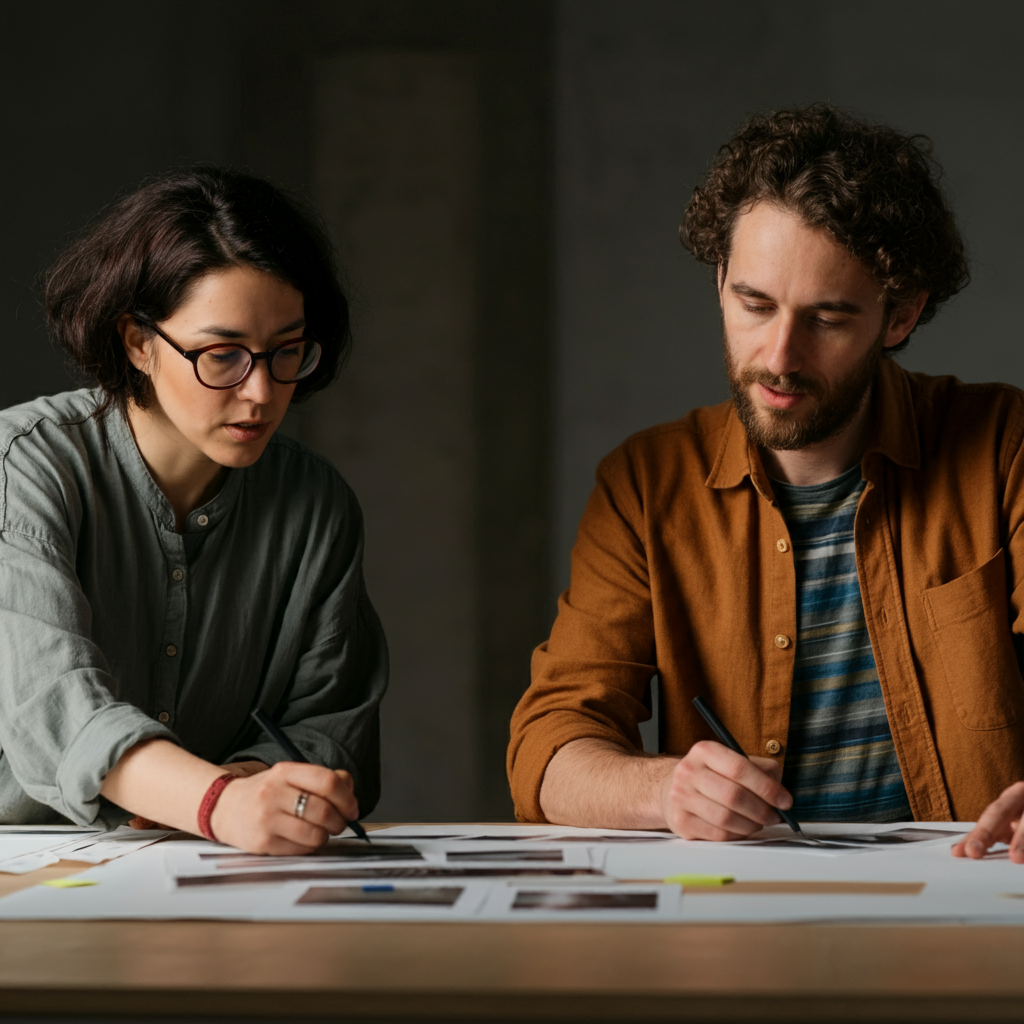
721, 280
136, 344
903, 319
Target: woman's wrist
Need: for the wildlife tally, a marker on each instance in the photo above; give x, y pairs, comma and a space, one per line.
209, 802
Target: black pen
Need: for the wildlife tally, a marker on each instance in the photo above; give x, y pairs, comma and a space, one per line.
294, 754
726, 737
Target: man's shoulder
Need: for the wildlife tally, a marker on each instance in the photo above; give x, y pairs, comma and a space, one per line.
667, 459
945, 404
929, 391
697, 435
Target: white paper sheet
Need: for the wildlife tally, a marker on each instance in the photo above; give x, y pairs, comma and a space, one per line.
955, 890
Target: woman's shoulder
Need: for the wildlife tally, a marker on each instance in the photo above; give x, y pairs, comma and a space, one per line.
294, 469
49, 420
47, 447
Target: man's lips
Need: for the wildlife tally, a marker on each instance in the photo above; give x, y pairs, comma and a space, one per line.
779, 399
247, 431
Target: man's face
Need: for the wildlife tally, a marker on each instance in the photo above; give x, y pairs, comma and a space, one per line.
804, 329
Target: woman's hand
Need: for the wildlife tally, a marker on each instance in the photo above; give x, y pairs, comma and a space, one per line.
257, 813
1001, 822
242, 769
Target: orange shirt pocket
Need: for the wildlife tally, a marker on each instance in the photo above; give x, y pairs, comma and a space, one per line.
970, 625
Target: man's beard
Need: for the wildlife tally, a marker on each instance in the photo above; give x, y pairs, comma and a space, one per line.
784, 430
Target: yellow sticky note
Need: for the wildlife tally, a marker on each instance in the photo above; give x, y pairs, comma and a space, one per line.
700, 880
68, 883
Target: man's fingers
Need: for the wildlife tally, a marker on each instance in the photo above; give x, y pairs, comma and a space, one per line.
770, 767
745, 772
736, 798
715, 822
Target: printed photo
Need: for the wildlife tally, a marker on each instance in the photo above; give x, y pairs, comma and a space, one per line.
583, 899
383, 895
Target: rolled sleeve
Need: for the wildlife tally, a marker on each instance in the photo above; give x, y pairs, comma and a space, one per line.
590, 677
98, 745
61, 728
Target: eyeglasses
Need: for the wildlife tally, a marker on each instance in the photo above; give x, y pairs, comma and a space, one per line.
226, 364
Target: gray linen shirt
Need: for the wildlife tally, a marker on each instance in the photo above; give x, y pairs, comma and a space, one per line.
114, 628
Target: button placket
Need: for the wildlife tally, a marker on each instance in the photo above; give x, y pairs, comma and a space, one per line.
169, 659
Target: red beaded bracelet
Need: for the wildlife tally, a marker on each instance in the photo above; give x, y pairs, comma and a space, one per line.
209, 802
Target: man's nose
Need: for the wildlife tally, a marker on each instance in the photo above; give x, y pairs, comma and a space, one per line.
783, 353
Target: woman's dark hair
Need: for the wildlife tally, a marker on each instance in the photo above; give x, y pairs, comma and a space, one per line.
876, 190
144, 252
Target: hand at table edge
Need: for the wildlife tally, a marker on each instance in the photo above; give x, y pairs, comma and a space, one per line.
1001, 822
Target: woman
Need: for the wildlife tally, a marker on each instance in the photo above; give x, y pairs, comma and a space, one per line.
167, 563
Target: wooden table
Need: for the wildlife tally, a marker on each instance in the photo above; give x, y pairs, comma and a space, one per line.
502, 972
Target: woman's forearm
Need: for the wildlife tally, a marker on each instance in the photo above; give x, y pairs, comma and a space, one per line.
159, 780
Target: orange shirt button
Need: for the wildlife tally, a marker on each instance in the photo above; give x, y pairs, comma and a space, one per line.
782, 545
773, 746
782, 641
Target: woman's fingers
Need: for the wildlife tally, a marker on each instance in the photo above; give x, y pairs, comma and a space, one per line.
335, 787
1000, 822
290, 808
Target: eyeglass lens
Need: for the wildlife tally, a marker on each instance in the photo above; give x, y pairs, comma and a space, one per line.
223, 367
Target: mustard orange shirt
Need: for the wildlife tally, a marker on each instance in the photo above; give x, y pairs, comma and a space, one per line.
683, 566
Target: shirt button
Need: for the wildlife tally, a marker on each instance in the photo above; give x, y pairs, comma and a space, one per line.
773, 746
163, 717
171, 650
782, 641
782, 545
177, 575
203, 520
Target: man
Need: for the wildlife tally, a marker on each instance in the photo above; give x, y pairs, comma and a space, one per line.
834, 559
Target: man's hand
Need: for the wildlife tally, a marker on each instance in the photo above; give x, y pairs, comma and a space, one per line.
1001, 822
714, 793
257, 813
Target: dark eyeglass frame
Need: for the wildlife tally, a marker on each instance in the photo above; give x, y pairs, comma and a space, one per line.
192, 355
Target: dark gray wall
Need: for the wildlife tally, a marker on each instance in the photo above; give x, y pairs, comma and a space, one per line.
647, 91
95, 97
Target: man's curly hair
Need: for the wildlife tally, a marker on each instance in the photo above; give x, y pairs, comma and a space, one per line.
874, 189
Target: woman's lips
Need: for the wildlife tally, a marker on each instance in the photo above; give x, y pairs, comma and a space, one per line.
779, 399
247, 431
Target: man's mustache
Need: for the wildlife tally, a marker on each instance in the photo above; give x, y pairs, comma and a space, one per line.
788, 383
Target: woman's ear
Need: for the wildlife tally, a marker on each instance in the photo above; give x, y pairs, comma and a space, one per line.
136, 343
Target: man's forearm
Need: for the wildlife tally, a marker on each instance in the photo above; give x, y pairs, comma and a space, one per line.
592, 783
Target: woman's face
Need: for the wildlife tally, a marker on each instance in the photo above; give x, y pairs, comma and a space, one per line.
231, 427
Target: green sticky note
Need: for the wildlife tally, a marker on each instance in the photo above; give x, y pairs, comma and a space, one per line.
700, 880
68, 883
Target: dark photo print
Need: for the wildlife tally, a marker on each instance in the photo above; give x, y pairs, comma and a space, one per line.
590, 899
383, 895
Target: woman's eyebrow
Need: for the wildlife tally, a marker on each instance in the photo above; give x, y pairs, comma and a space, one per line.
227, 332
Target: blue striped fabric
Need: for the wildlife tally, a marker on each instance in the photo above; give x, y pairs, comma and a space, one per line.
840, 760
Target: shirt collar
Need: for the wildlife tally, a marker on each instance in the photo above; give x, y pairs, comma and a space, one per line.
200, 520
894, 435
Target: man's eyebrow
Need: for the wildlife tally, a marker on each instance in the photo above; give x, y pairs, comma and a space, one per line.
227, 332
828, 305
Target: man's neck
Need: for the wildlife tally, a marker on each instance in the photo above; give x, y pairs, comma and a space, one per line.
819, 463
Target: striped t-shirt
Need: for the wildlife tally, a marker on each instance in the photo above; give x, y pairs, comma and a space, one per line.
840, 762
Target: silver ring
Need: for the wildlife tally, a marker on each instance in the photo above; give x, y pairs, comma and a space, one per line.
300, 805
